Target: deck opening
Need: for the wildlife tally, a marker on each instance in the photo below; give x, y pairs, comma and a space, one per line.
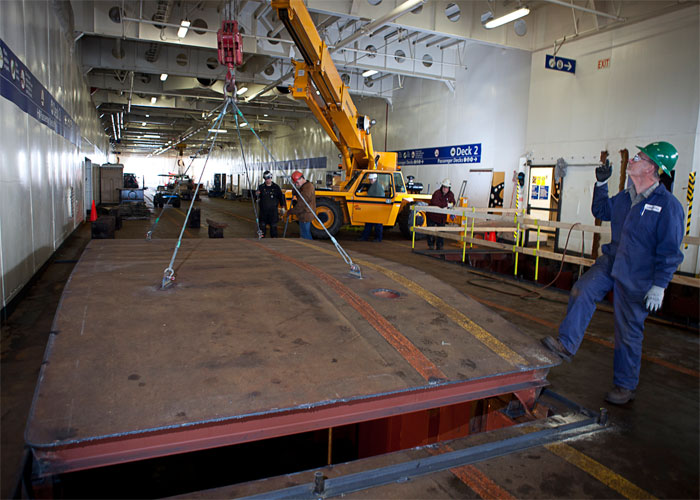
385, 293
212, 468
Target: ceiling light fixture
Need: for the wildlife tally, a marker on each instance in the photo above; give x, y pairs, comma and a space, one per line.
143, 124
265, 114
151, 136
369, 72
242, 90
244, 124
153, 100
218, 130
184, 27
490, 23
163, 77
147, 115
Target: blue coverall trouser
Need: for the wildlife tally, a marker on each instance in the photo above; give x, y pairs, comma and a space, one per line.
378, 231
630, 313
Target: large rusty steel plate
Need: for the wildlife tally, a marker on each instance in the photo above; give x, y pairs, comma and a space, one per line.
252, 329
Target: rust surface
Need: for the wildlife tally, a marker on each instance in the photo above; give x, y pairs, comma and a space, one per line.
242, 333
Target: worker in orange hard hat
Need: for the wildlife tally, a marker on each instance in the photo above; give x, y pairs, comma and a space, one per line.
304, 211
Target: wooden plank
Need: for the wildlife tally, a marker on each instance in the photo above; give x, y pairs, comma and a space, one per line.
545, 254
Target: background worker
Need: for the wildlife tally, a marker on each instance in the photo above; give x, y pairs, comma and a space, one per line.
646, 223
301, 210
270, 197
377, 191
443, 198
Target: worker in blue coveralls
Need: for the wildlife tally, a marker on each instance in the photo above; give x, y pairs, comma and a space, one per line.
646, 223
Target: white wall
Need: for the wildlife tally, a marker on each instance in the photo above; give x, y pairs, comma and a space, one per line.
41, 175
649, 92
488, 106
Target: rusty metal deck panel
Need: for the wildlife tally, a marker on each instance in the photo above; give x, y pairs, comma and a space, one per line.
252, 328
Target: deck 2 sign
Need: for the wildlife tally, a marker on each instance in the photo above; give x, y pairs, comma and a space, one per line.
560, 64
446, 155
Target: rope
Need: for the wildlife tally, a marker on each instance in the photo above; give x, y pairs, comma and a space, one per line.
354, 268
245, 167
169, 272
149, 234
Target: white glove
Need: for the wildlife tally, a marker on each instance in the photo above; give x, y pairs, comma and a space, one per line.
654, 297
450, 205
283, 211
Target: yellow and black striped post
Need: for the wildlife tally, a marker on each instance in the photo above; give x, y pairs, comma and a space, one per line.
689, 197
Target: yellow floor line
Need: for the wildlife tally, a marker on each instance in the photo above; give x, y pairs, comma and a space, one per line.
475, 330
599, 471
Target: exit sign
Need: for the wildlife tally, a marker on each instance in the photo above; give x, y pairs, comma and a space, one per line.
604, 63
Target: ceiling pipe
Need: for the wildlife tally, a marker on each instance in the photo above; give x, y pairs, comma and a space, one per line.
439, 40
585, 9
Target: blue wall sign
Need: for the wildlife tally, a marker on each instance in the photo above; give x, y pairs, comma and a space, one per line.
560, 64
447, 155
20, 87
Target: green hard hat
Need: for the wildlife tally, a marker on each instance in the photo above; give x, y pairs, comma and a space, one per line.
662, 153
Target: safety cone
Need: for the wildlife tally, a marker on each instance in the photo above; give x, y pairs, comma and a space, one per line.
491, 236
93, 212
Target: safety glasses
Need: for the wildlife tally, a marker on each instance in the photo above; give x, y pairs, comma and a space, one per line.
267, 177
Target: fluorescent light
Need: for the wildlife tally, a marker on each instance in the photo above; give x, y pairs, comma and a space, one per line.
163, 77
147, 115
219, 130
265, 114
244, 124
500, 21
184, 26
370, 72
242, 90
151, 136
153, 100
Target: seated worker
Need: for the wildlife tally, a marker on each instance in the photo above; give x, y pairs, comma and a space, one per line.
375, 190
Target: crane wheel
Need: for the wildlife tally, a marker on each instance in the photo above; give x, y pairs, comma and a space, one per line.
406, 221
328, 211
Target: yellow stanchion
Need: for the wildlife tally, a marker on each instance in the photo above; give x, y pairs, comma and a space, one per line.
413, 229
471, 244
537, 250
464, 237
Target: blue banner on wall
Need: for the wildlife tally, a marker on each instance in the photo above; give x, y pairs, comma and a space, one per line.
447, 155
19, 86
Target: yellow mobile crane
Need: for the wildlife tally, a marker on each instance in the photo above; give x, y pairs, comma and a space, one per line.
347, 203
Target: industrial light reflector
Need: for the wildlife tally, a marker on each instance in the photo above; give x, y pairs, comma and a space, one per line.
219, 130
242, 90
184, 26
153, 100
500, 21
163, 77
370, 72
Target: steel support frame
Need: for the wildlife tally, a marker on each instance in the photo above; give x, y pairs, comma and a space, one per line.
152, 443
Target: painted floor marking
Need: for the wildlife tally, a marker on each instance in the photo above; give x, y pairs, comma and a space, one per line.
395, 338
479, 482
455, 315
603, 474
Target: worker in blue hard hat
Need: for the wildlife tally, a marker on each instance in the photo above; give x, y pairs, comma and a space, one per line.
646, 223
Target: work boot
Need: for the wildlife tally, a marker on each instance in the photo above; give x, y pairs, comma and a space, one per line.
557, 348
619, 396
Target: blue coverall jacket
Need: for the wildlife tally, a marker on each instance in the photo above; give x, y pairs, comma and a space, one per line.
644, 251
646, 241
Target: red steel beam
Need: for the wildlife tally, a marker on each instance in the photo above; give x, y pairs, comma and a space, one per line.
141, 445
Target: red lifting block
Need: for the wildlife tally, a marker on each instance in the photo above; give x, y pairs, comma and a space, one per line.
230, 45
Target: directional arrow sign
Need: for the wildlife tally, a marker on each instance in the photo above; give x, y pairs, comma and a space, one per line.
560, 64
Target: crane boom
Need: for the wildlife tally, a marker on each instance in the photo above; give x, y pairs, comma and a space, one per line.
332, 105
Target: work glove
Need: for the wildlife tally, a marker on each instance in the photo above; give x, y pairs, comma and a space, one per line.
283, 211
654, 297
450, 205
603, 171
